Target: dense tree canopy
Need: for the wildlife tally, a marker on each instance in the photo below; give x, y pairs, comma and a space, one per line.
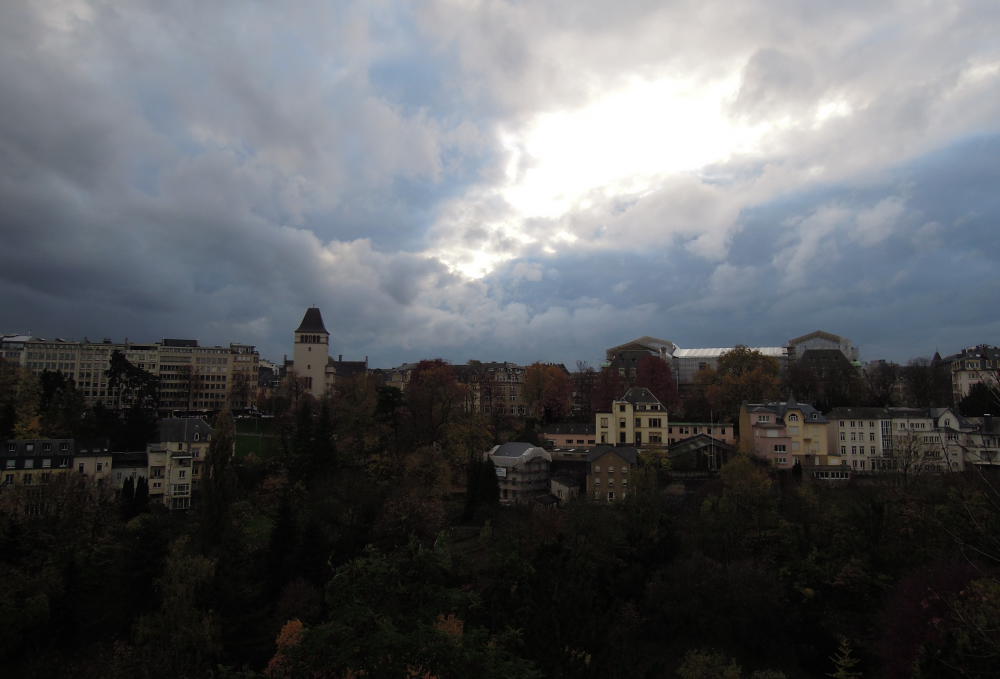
548, 391
742, 375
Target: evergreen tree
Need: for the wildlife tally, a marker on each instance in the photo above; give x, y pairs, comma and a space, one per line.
141, 502
844, 662
218, 485
126, 498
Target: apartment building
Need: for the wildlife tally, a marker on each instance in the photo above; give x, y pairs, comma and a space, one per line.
611, 470
493, 388
974, 365
522, 471
176, 460
902, 439
30, 462
786, 434
636, 419
191, 377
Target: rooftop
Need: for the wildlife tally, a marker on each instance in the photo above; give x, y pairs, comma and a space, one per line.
312, 322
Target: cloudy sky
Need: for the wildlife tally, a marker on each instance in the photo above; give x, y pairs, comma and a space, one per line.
502, 180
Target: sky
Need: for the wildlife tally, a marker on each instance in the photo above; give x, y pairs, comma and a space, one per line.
491, 180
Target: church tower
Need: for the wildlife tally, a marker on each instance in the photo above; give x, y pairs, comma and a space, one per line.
312, 352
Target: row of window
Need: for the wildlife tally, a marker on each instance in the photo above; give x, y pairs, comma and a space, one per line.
610, 470
30, 447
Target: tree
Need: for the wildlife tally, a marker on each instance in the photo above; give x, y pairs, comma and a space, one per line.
131, 386
608, 386
61, 405
881, 380
844, 662
928, 384
27, 402
181, 639
584, 380
655, 374
218, 484
981, 400
433, 398
548, 391
743, 375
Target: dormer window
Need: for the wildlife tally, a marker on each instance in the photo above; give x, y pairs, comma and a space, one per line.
793, 418
197, 436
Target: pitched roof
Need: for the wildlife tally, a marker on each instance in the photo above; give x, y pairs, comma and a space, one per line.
312, 321
822, 334
647, 343
639, 395
810, 413
513, 453
627, 453
858, 413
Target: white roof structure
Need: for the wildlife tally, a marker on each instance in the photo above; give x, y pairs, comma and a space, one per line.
716, 352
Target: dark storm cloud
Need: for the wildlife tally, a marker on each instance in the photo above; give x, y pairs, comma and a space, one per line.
211, 169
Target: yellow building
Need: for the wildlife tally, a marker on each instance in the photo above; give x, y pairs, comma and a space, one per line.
785, 434
636, 419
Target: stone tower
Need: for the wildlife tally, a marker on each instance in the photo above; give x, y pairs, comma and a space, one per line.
312, 352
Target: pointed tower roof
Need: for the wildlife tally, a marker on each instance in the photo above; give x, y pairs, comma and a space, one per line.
312, 322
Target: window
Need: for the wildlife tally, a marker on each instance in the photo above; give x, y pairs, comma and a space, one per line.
100, 466
871, 436
46, 447
29, 464
597, 482
182, 474
793, 418
611, 495
621, 407
763, 419
854, 450
604, 422
197, 436
597, 469
27, 479
611, 470
46, 463
654, 422
843, 436
779, 447
638, 423
80, 467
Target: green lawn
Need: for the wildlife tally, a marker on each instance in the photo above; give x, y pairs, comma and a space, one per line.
256, 436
